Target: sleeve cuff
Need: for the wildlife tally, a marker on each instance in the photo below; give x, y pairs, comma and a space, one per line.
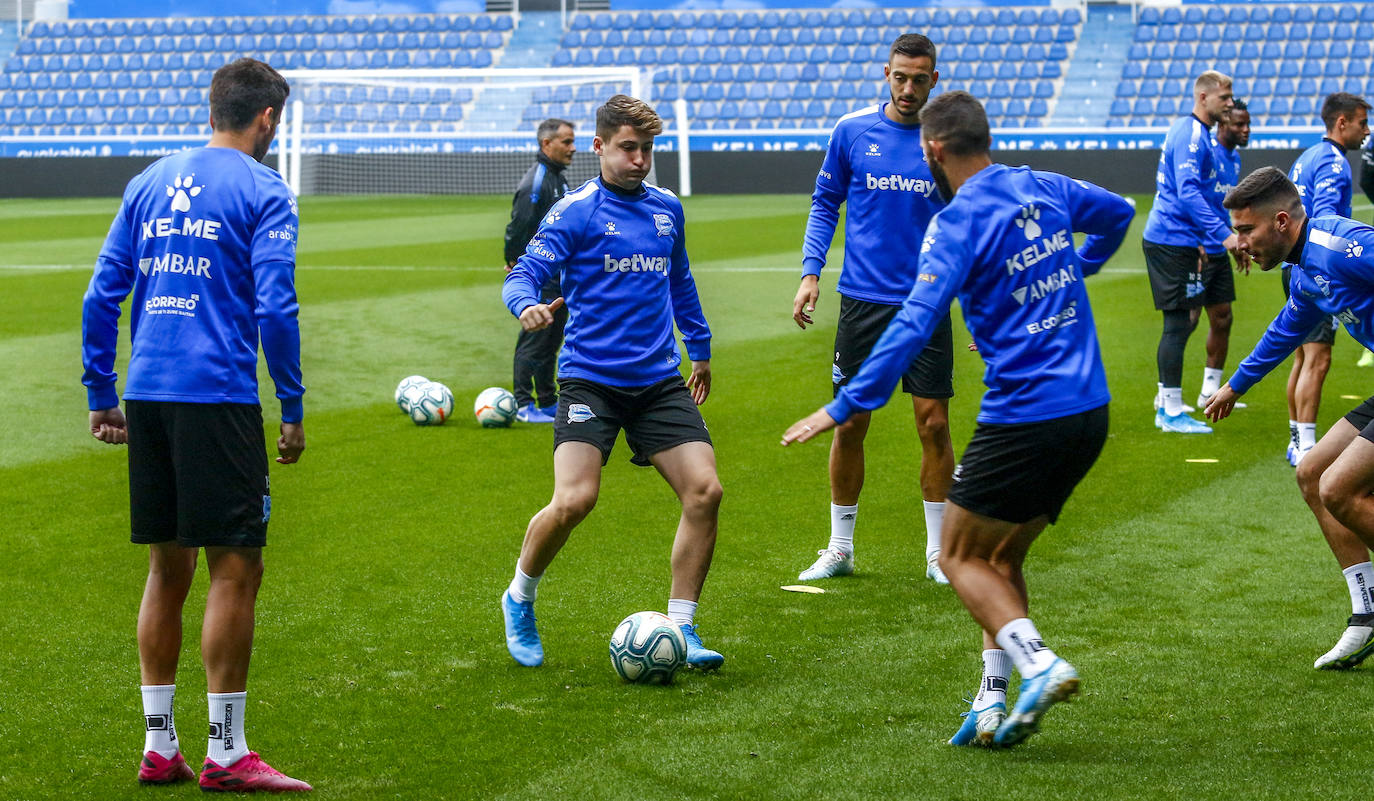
699, 351
99, 398
842, 408
1240, 384
812, 265
292, 410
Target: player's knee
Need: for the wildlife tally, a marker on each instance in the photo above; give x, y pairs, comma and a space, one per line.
1221, 321
704, 497
570, 508
1317, 364
932, 426
1309, 476
1335, 494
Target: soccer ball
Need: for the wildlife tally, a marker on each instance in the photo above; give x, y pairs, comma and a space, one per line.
430, 404
406, 383
494, 408
648, 648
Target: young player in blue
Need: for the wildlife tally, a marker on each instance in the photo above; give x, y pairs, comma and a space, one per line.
618, 245
205, 241
874, 165
1332, 275
1185, 242
1004, 246
1324, 183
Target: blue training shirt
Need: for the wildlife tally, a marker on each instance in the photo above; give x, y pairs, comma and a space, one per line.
1183, 214
206, 241
1324, 179
1004, 245
878, 168
622, 261
1334, 275
1228, 175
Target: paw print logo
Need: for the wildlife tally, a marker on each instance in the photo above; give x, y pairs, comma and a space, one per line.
611, 229
873, 149
927, 243
1353, 250
1028, 222
181, 191
553, 217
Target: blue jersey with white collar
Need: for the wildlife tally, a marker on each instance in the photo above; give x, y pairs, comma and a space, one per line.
622, 261
1004, 246
1334, 275
878, 168
1324, 179
1183, 214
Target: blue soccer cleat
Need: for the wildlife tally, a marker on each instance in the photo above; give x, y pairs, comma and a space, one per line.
699, 657
980, 725
551, 410
522, 638
529, 413
1180, 423
1058, 682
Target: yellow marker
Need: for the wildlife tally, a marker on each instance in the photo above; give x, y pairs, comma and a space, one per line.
1200, 461
802, 588
1352, 397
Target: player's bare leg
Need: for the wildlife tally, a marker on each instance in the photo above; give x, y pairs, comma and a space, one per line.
1307, 394
937, 473
1219, 320
171, 569
846, 482
690, 469
226, 639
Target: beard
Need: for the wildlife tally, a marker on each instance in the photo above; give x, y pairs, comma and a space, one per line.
942, 184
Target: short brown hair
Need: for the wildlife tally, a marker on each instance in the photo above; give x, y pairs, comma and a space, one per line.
912, 45
1341, 104
1209, 80
1265, 187
241, 89
625, 110
958, 120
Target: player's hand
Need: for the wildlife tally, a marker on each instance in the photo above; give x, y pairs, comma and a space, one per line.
700, 380
540, 315
973, 347
802, 430
1242, 257
1201, 258
108, 426
1220, 404
805, 301
509, 266
291, 443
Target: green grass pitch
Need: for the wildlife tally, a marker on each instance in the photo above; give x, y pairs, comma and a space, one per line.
1192, 597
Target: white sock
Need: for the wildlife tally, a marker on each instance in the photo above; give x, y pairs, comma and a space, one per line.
996, 674
227, 742
935, 517
1159, 395
160, 727
682, 612
1359, 578
842, 527
1293, 432
523, 588
1173, 400
1020, 639
1211, 381
1307, 435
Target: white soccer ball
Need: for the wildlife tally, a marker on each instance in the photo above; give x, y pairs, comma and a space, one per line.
494, 408
406, 383
648, 648
430, 404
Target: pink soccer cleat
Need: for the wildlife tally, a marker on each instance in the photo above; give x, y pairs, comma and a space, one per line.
248, 775
157, 769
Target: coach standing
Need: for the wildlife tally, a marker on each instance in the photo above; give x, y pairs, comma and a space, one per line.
536, 352
206, 242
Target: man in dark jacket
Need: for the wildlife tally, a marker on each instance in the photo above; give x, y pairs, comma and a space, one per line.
536, 351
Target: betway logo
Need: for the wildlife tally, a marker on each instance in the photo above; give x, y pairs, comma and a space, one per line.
638, 263
163, 227
177, 264
900, 183
1044, 286
1039, 251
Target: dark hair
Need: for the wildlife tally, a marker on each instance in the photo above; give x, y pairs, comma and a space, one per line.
1267, 186
958, 120
1341, 104
241, 89
1239, 105
913, 45
625, 110
549, 128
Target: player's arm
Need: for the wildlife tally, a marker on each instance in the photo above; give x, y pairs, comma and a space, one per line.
1189, 160
111, 281
688, 316
276, 310
523, 222
1104, 216
832, 186
1331, 191
551, 246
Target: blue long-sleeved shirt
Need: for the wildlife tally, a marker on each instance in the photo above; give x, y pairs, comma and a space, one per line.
1332, 275
1228, 175
622, 262
1324, 180
1004, 246
206, 242
1183, 214
878, 168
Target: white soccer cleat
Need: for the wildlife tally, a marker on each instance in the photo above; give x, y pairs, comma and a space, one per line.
933, 571
831, 563
1353, 647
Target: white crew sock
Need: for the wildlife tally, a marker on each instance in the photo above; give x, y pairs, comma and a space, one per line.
935, 517
1307, 435
523, 588
1211, 381
160, 727
682, 612
1159, 395
1022, 642
1360, 579
1173, 400
227, 741
1293, 432
996, 673
842, 527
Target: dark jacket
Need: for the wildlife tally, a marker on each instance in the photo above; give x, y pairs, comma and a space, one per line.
542, 186
1367, 169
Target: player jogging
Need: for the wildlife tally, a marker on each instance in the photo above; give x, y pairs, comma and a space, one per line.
1324, 183
205, 240
1332, 274
875, 165
618, 245
1004, 246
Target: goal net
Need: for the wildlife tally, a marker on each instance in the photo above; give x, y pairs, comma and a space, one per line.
437, 131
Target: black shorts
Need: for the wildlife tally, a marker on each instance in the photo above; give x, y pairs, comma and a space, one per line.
1176, 282
1362, 418
197, 474
931, 374
1018, 472
1323, 333
655, 418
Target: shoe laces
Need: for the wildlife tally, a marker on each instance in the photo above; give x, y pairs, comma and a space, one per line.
524, 623
689, 633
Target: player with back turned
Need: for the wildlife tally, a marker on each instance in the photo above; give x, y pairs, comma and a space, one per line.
1004, 246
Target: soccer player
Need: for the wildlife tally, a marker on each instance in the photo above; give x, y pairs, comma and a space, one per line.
1332, 273
1324, 183
1367, 186
1185, 243
206, 242
618, 244
540, 188
874, 164
1004, 246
